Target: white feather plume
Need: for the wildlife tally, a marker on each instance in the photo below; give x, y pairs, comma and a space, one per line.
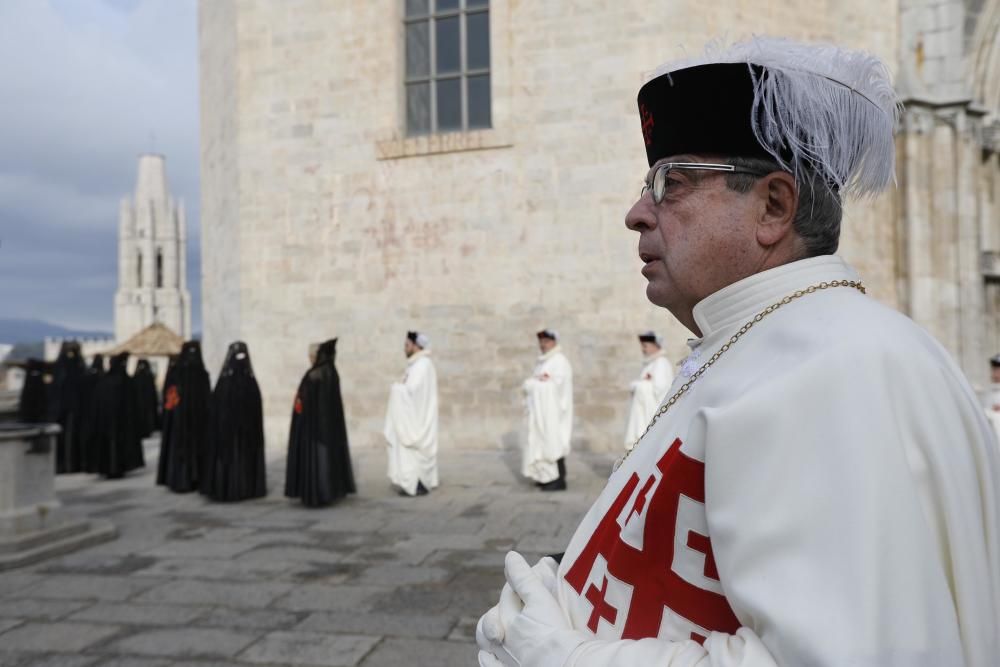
833, 109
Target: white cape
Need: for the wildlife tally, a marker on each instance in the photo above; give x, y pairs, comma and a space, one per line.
827, 494
411, 426
648, 393
548, 397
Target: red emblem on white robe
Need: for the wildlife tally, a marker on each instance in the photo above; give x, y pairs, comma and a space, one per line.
648, 568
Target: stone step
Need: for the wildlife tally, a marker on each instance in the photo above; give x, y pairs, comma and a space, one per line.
26, 541
62, 540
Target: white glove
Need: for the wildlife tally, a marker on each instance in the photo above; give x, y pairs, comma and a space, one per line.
537, 634
490, 630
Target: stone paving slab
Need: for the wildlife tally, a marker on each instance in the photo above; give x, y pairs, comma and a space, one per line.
427, 626
132, 661
226, 594
310, 648
63, 637
375, 580
397, 652
9, 659
47, 610
70, 587
12, 581
327, 597
185, 643
139, 614
8, 623
225, 570
262, 619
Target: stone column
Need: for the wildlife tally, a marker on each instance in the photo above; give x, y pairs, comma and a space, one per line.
33, 524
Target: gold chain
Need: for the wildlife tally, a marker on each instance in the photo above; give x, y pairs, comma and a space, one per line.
732, 341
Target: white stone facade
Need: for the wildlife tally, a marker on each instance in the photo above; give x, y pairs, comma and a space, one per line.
152, 257
321, 218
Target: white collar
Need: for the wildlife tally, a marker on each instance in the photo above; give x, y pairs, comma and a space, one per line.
653, 357
735, 304
419, 354
551, 353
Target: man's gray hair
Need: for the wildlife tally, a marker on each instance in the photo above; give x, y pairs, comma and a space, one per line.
817, 218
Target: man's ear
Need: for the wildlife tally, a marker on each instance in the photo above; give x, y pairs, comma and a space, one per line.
780, 197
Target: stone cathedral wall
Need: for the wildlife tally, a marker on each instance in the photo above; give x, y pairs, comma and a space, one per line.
321, 219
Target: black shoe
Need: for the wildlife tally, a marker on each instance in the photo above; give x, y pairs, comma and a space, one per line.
421, 489
555, 485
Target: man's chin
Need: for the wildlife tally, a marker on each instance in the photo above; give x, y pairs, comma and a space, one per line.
657, 295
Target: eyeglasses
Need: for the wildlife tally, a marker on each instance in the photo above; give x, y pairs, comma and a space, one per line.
656, 179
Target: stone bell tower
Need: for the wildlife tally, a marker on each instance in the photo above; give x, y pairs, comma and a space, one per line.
152, 257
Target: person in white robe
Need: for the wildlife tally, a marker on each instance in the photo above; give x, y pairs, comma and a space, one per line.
650, 389
548, 400
411, 421
991, 397
823, 488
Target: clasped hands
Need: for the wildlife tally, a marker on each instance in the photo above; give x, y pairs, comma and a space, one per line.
527, 628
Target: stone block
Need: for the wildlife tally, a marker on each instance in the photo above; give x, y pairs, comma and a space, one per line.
12, 581
307, 648
263, 619
185, 643
61, 637
138, 614
74, 587
427, 626
230, 570
326, 598
132, 661
48, 610
224, 594
393, 652
55, 660
8, 623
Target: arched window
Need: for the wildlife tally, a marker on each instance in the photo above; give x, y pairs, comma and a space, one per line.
138, 269
159, 267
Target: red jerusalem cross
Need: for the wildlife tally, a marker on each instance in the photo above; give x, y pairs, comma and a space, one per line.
647, 124
649, 570
602, 609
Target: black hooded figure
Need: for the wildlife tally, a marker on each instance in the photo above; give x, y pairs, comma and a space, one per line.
186, 397
233, 467
88, 410
149, 401
34, 405
319, 462
117, 446
166, 419
66, 407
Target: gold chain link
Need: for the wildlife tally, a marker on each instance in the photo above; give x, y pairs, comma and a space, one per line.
732, 341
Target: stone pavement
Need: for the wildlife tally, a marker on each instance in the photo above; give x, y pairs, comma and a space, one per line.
376, 581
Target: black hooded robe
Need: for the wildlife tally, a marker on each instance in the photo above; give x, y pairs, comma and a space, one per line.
67, 402
186, 397
319, 461
233, 467
34, 402
88, 413
117, 445
149, 401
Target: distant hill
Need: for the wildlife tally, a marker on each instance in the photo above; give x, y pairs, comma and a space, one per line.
31, 331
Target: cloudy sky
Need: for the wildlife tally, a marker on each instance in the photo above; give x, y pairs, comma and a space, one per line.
85, 87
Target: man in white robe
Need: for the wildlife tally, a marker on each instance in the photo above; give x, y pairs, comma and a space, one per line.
650, 389
991, 397
411, 421
824, 489
548, 399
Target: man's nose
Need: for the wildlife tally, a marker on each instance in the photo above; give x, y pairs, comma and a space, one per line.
640, 217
